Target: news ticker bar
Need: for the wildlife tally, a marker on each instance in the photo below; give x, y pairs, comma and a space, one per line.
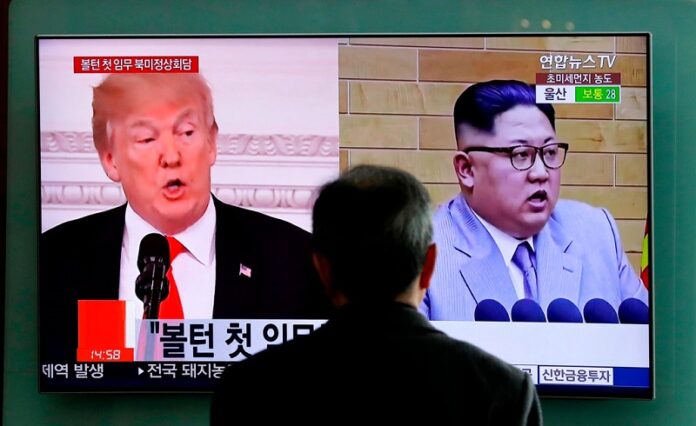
220, 340
126, 371
541, 374
189, 340
587, 376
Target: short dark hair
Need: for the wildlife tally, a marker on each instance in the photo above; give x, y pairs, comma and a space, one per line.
481, 103
373, 226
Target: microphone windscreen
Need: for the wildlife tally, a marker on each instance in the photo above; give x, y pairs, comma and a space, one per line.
490, 310
153, 248
634, 311
527, 310
563, 310
600, 311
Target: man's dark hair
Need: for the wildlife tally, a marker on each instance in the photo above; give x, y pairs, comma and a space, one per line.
373, 226
481, 103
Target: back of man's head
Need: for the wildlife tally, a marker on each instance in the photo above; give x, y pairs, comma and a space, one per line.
481, 103
373, 227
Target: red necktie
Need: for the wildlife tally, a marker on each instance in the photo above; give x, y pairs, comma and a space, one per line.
171, 306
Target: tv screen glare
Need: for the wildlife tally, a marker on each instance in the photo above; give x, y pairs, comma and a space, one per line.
260, 123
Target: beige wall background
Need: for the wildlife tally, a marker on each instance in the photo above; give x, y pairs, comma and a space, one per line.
396, 97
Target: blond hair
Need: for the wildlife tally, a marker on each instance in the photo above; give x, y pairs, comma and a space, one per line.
117, 94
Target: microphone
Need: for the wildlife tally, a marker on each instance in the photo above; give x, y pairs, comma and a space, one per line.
633, 311
563, 310
527, 310
152, 286
490, 310
600, 311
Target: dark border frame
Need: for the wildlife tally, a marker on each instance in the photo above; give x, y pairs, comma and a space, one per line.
547, 391
4, 45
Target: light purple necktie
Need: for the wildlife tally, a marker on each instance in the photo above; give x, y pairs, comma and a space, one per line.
523, 259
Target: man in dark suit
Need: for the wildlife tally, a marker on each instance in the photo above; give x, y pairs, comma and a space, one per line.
156, 135
377, 358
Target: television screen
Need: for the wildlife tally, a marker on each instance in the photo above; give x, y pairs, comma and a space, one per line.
258, 120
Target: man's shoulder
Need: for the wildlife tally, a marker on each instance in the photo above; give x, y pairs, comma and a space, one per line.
274, 362
472, 358
592, 230
107, 220
253, 221
271, 378
499, 391
463, 358
448, 214
444, 210
454, 224
578, 213
575, 207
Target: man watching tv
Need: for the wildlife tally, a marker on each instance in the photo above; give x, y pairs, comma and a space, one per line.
377, 358
507, 236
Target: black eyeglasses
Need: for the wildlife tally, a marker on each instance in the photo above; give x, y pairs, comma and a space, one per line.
523, 157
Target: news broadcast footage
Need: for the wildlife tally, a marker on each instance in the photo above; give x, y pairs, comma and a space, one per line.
286, 115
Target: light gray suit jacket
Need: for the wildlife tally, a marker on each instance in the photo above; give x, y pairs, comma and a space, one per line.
578, 252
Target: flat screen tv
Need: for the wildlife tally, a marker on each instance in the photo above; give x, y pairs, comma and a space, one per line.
279, 116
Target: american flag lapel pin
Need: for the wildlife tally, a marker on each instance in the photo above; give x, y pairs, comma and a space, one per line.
244, 270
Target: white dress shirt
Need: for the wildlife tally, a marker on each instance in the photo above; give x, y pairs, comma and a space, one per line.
507, 245
194, 269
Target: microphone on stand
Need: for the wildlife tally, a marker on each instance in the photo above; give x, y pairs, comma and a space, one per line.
527, 310
634, 311
563, 310
600, 311
490, 310
152, 285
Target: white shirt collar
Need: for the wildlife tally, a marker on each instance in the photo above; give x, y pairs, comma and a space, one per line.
199, 238
507, 244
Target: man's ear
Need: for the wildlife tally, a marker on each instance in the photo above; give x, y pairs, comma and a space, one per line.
109, 165
321, 264
323, 269
464, 169
212, 144
428, 267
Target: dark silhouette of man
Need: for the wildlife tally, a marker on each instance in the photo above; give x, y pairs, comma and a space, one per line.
377, 358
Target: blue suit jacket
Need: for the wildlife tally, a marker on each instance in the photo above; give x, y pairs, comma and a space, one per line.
578, 252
